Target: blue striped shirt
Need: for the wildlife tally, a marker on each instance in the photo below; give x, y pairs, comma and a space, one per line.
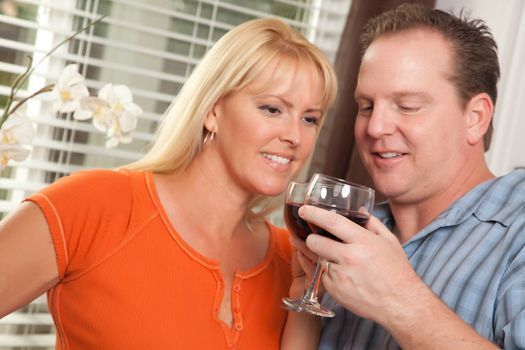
472, 256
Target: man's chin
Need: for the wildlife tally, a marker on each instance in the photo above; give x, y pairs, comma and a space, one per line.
389, 188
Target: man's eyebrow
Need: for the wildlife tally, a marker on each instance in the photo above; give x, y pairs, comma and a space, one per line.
400, 94
417, 94
360, 96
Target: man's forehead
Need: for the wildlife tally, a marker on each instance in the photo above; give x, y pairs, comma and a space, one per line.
405, 65
413, 37
415, 50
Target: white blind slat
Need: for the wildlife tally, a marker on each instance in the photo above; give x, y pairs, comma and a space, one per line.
17, 185
27, 340
96, 62
86, 149
19, 318
94, 39
47, 166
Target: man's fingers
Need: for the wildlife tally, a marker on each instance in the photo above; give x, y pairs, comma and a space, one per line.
300, 245
336, 224
374, 225
325, 247
332, 222
341, 227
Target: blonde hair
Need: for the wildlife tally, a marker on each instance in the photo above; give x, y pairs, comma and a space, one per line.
233, 63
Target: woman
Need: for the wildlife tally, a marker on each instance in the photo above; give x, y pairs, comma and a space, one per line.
172, 252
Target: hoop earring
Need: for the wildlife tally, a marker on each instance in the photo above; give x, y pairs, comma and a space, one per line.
208, 138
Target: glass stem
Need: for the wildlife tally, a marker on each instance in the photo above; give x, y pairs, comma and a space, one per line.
310, 295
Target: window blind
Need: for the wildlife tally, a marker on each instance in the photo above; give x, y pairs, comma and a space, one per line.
151, 47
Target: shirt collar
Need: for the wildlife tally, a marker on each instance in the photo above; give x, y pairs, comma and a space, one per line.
498, 200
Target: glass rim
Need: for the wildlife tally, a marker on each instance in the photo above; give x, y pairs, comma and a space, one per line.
333, 178
298, 182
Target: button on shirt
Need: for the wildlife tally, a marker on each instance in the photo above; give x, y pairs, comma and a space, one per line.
472, 256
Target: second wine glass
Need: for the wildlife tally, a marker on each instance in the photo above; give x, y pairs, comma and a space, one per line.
354, 202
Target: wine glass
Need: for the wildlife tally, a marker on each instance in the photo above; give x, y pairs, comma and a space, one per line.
354, 202
295, 196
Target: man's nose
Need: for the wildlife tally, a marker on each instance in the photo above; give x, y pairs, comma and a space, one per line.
381, 121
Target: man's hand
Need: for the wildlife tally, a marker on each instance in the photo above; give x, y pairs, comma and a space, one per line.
371, 276
369, 272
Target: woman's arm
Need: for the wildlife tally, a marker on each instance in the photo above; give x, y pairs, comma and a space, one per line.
28, 265
302, 330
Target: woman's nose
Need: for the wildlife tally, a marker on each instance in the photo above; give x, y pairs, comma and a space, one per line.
291, 133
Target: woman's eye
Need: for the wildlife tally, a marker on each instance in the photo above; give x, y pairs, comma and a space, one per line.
310, 120
270, 109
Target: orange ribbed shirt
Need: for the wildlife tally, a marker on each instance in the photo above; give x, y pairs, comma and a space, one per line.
128, 280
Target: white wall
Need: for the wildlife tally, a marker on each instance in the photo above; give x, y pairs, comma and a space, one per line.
507, 22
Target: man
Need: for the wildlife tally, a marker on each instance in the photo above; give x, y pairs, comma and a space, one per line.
446, 267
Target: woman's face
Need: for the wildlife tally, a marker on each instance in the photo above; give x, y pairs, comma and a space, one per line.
266, 131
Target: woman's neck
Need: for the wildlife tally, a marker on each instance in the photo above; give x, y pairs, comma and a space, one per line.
206, 197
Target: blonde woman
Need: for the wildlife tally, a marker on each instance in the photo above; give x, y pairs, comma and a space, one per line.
173, 252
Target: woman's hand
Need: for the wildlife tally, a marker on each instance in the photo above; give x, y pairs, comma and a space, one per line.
302, 329
303, 266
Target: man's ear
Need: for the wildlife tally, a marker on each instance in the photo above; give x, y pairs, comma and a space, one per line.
479, 113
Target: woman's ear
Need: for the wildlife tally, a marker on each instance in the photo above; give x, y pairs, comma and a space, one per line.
211, 120
479, 116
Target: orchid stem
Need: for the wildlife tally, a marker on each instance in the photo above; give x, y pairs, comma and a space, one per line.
22, 78
29, 72
46, 88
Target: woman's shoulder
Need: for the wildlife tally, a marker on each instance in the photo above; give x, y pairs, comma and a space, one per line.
92, 181
89, 213
99, 176
110, 191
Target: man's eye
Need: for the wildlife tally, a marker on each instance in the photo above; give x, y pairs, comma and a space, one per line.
409, 109
365, 110
270, 109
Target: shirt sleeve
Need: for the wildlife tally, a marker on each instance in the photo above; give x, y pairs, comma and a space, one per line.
509, 319
87, 214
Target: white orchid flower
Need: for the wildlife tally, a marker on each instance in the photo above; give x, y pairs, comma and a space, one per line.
68, 91
113, 112
16, 135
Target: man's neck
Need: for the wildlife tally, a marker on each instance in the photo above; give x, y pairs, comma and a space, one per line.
412, 217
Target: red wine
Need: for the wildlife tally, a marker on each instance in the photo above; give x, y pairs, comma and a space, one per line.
357, 217
294, 222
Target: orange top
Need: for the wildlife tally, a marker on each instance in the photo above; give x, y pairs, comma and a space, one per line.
128, 280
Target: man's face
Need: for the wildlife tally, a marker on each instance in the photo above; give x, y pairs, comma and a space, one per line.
411, 127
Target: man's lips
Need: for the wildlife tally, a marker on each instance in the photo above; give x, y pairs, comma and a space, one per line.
388, 155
